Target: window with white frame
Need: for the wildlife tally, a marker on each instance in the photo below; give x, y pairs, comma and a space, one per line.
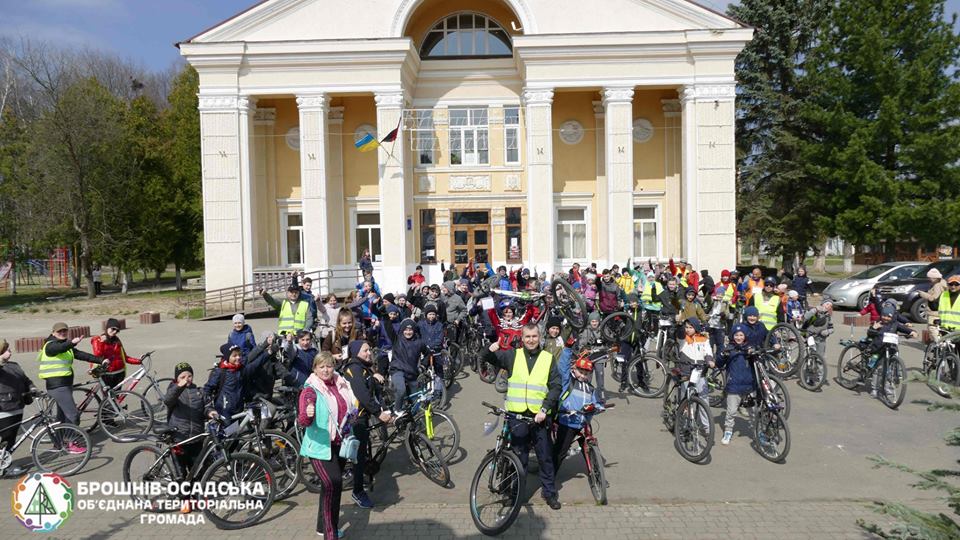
645, 232
465, 35
511, 135
291, 224
469, 135
571, 233
368, 235
423, 138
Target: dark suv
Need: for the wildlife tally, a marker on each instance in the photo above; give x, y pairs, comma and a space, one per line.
906, 292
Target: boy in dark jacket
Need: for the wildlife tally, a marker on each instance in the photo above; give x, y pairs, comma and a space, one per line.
262, 379
408, 354
16, 390
225, 387
187, 410
739, 377
888, 324
299, 358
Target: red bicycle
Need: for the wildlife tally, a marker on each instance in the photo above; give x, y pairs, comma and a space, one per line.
592, 458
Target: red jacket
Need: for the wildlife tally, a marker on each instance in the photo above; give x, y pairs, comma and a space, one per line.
508, 335
416, 279
871, 309
114, 352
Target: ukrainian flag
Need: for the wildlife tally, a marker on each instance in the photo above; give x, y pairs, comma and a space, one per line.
366, 143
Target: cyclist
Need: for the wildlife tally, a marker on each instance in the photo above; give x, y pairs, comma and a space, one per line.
507, 326
306, 295
533, 389
608, 294
949, 307
635, 339
407, 363
670, 299
187, 409
695, 349
16, 390
241, 335
359, 373
576, 393
109, 347
767, 301
298, 357
262, 378
802, 284
739, 378
755, 330
888, 323
589, 338
226, 386
294, 312
793, 309
691, 307
753, 284
818, 322
56, 359
431, 332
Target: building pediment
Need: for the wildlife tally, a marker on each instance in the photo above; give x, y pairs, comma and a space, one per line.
307, 20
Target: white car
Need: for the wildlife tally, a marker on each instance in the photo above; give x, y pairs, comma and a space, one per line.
854, 291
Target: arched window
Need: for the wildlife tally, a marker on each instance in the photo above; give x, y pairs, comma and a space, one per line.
466, 34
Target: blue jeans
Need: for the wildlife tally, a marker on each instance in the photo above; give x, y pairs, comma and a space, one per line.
401, 388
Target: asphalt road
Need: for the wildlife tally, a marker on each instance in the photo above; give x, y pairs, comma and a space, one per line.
833, 433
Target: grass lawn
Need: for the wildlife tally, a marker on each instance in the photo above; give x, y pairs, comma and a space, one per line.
33, 296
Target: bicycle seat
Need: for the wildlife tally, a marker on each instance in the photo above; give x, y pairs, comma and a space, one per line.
165, 431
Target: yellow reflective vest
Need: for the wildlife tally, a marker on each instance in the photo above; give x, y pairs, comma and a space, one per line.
60, 365
649, 298
291, 321
949, 313
768, 309
527, 390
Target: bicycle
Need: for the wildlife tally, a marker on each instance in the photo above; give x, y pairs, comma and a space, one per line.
812, 371
855, 368
124, 415
278, 449
784, 361
646, 375
56, 447
717, 381
248, 476
592, 458
941, 364
668, 349
502, 477
687, 415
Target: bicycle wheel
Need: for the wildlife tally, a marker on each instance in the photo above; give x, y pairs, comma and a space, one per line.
570, 303
88, 403
848, 367
791, 348
487, 372
780, 391
144, 464
250, 491
595, 475
453, 366
126, 417
443, 432
282, 454
945, 374
647, 376
616, 327
771, 435
894, 387
813, 371
63, 449
717, 384
155, 392
669, 413
694, 429
428, 459
495, 492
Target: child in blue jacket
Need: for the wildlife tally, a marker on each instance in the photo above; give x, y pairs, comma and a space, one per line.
740, 380
576, 393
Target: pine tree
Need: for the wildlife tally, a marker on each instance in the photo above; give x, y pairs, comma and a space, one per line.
881, 122
40, 504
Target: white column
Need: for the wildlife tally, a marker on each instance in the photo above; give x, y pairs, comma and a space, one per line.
246, 107
264, 223
618, 106
671, 221
313, 179
227, 169
541, 239
336, 221
395, 194
600, 135
709, 175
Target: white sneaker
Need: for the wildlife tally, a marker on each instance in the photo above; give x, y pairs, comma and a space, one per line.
727, 436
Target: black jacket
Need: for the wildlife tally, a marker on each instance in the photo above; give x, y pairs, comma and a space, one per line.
53, 346
504, 360
360, 377
408, 354
186, 409
265, 372
227, 395
14, 387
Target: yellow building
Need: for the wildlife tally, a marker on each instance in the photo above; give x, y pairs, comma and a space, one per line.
532, 133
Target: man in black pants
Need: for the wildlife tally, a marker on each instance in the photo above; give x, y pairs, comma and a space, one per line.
358, 371
533, 389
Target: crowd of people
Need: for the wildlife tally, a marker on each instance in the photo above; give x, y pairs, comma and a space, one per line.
343, 350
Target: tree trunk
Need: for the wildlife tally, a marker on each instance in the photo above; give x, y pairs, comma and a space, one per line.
87, 266
179, 278
772, 262
848, 251
820, 263
13, 277
127, 279
755, 252
157, 274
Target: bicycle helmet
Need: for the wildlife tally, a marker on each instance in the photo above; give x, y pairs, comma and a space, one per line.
583, 364
506, 303
770, 281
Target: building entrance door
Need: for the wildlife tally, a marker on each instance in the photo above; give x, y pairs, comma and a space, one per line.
471, 236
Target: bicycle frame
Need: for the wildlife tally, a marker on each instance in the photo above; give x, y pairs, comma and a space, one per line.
38, 419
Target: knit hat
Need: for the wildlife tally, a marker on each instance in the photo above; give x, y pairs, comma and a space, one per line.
594, 316
632, 297
738, 328
113, 323
226, 349
429, 308
793, 294
751, 311
393, 309
407, 323
724, 273
934, 274
389, 297
354, 347
238, 318
3, 345
554, 321
888, 311
695, 323
180, 368
690, 290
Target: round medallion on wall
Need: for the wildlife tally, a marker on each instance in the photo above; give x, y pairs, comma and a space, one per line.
571, 132
362, 131
293, 139
642, 130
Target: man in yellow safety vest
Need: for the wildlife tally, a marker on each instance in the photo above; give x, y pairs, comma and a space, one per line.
767, 302
949, 306
533, 389
56, 359
294, 312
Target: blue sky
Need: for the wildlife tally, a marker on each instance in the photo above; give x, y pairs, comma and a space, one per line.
143, 31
